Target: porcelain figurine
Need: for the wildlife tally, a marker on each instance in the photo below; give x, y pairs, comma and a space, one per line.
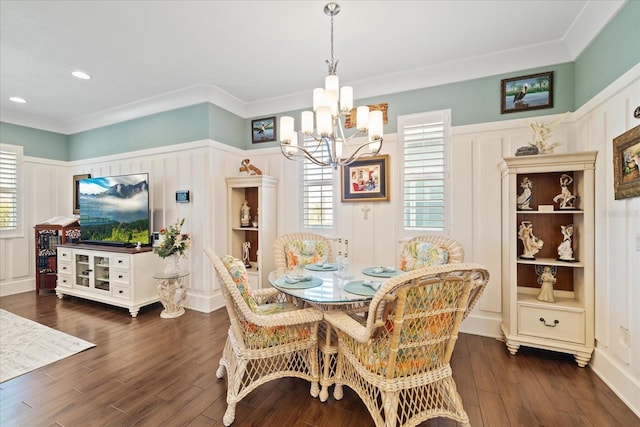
565, 198
245, 254
531, 243
565, 251
546, 280
245, 215
525, 198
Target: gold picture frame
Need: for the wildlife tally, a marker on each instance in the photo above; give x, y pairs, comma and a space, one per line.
626, 164
366, 180
76, 191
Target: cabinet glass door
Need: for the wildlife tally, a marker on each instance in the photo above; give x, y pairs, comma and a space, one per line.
83, 270
101, 273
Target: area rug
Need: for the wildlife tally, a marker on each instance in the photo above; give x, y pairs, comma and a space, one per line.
26, 345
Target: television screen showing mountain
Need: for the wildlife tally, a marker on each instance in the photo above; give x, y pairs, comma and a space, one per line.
115, 209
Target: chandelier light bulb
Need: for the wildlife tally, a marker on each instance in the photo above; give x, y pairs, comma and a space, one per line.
306, 120
286, 128
346, 99
362, 118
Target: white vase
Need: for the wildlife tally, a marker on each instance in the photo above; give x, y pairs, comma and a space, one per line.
172, 265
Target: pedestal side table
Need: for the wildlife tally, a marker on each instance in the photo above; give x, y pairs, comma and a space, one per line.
172, 293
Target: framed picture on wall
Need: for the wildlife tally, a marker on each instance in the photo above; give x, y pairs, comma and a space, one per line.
263, 130
626, 164
76, 191
366, 180
524, 93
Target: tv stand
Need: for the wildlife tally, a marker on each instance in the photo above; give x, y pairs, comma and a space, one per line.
113, 275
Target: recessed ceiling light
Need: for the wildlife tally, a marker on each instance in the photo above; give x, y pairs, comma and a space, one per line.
81, 75
18, 100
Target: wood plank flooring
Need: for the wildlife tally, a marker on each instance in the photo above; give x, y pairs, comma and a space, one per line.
150, 371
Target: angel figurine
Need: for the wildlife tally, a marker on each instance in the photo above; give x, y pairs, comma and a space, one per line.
565, 198
525, 198
546, 279
565, 251
531, 243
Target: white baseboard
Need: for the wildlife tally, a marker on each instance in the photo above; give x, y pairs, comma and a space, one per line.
204, 304
17, 287
617, 378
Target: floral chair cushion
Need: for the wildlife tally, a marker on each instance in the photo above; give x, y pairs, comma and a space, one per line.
422, 254
303, 252
238, 274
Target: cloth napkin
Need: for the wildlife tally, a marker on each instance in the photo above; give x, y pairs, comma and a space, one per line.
295, 278
373, 284
379, 270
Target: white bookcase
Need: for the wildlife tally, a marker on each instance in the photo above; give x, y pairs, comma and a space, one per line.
260, 193
566, 325
117, 276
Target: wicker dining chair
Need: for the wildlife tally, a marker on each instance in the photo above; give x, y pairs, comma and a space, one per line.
397, 359
267, 339
299, 249
430, 249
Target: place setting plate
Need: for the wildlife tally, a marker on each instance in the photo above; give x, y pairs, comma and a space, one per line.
293, 282
381, 271
321, 266
365, 288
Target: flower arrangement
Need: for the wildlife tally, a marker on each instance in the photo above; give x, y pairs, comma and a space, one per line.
175, 241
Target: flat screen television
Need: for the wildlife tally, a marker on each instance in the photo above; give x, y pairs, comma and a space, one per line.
114, 210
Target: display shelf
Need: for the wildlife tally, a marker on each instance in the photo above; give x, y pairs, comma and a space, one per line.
567, 323
47, 238
260, 193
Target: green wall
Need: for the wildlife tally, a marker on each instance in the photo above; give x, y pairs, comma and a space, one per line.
612, 53
36, 142
471, 101
615, 51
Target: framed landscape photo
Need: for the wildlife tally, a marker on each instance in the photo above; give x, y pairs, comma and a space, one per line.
626, 164
263, 130
76, 191
532, 92
366, 180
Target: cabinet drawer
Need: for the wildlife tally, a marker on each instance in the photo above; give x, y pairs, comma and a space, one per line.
552, 323
120, 261
122, 291
64, 267
64, 254
64, 280
120, 276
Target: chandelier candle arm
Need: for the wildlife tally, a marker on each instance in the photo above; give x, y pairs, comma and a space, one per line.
331, 104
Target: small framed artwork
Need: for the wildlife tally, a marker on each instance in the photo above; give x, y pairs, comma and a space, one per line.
366, 180
263, 130
532, 92
626, 164
76, 191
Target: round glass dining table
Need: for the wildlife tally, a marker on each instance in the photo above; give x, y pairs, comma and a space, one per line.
329, 289
325, 289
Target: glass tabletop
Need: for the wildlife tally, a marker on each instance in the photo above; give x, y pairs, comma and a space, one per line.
163, 276
330, 291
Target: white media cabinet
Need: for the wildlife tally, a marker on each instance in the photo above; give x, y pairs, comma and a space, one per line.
122, 277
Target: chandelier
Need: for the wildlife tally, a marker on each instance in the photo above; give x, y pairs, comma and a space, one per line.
331, 105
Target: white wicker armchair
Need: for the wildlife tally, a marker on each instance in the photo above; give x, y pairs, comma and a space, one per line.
430, 249
294, 249
397, 360
267, 339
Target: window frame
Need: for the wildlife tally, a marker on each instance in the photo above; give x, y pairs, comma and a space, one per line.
18, 231
443, 116
332, 181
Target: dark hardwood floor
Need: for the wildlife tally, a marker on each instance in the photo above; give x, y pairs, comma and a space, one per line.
150, 371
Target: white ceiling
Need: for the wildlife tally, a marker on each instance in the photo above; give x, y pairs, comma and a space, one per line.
264, 57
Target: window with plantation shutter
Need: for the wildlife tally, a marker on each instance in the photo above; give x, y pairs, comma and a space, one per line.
10, 157
317, 191
423, 141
